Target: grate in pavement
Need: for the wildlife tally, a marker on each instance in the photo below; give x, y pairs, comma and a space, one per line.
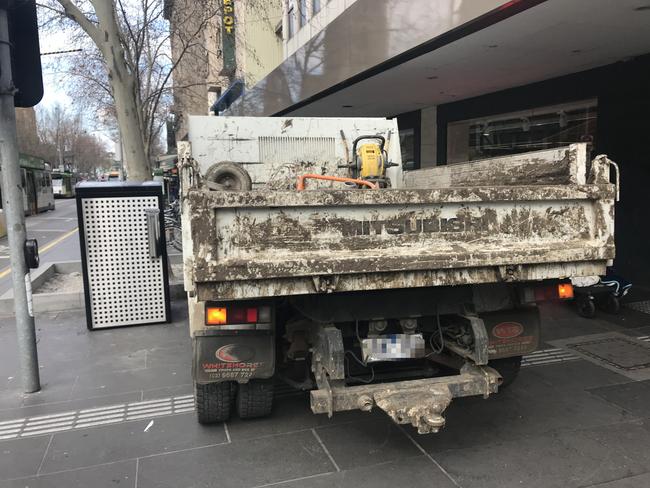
643, 306
619, 352
625, 355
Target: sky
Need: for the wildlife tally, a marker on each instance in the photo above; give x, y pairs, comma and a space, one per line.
53, 88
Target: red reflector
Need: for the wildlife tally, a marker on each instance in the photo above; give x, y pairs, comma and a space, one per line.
236, 315
251, 315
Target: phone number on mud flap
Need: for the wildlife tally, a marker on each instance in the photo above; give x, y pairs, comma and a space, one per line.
504, 346
230, 370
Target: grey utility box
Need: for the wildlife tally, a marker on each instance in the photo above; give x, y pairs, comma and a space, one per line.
123, 253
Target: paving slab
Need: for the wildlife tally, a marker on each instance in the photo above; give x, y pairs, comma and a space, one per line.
113, 475
553, 427
565, 323
527, 407
239, 464
292, 414
575, 375
573, 458
22, 457
131, 380
177, 356
416, 472
128, 440
366, 443
168, 391
634, 397
640, 481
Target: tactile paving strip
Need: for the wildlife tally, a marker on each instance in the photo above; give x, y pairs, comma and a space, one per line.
93, 417
112, 414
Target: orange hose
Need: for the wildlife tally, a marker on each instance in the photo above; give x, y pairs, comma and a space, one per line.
300, 186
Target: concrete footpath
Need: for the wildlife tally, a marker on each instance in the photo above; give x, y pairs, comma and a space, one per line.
116, 410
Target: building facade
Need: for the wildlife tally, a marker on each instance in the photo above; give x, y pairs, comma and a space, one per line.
218, 44
471, 79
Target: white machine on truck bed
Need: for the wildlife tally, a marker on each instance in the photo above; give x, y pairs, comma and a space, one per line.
313, 256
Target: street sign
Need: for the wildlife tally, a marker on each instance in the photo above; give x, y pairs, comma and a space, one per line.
25, 51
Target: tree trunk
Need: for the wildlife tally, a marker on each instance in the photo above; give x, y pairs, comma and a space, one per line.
124, 93
133, 150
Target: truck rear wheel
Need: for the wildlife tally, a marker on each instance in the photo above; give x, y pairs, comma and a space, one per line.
508, 368
213, 401
255, 399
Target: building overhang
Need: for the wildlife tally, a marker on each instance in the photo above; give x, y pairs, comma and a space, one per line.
384, 57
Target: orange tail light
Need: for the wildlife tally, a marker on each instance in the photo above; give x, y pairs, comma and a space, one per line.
216, 316
565, 290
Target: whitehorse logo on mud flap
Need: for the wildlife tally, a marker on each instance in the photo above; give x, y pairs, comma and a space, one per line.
235, 353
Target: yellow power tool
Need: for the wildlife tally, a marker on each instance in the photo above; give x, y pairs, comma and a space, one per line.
370, 160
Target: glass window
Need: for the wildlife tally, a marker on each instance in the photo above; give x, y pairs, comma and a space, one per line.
517, 132
302, 10
316, 6
407, 147
291, 23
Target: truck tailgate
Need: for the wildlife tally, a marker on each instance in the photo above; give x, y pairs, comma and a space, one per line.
270, 243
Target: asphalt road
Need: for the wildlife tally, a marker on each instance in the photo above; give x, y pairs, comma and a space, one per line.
56, 232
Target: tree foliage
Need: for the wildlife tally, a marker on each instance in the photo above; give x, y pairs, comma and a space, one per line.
62, 139
130, 54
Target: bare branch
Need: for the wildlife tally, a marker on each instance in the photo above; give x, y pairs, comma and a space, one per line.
74, 13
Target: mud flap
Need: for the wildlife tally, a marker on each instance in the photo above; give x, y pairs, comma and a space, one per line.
232, 358
512, 332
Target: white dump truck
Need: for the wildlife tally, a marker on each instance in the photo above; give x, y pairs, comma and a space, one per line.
314, 257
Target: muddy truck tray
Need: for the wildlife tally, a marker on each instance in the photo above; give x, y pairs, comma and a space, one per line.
486, 225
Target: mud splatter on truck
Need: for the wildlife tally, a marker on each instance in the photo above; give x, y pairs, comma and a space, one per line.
375, 287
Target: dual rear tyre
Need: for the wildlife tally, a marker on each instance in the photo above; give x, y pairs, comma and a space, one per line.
215, 401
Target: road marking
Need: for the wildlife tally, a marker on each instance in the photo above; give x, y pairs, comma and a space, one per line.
47, 230
44, 249
50, 245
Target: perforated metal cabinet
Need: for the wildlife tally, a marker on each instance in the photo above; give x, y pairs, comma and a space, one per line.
123, 253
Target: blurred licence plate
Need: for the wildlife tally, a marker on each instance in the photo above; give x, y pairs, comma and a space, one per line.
392, 347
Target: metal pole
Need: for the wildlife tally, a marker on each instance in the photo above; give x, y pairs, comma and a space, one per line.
12, 196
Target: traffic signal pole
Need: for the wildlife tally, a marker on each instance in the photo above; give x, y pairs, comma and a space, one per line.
12, 195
